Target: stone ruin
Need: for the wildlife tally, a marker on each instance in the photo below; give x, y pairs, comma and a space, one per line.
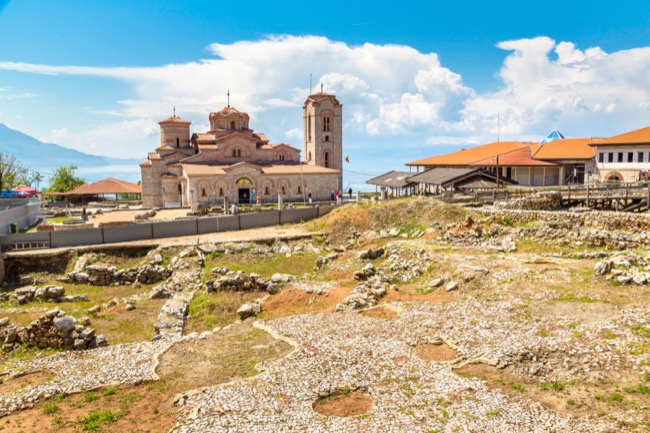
626, 269
105, 275
241, 282
27, 294
55, 330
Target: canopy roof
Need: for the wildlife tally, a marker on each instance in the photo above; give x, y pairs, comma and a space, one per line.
107, 186
392, 179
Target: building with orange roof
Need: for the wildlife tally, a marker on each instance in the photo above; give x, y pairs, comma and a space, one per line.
624, 157
554, 161
233, 163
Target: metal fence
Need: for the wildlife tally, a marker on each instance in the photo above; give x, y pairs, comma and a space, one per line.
163, 229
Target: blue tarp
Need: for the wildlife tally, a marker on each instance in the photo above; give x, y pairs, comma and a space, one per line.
554, 135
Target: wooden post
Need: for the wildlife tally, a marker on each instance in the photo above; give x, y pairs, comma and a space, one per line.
587, 195
648, 198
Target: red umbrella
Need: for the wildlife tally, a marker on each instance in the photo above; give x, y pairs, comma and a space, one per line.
26, 189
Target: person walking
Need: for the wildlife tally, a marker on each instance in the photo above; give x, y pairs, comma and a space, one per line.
233, 209
350, 191
84, 216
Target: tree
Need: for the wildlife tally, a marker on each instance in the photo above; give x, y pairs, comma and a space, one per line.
36, 178
63, 179
12, 172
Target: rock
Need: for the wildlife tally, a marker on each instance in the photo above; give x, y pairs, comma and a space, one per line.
129, 307
437, 282
54, 292
157, 259
94, 310
602, 267
52, 313
249, 309
451, 286
393, 232
64, 325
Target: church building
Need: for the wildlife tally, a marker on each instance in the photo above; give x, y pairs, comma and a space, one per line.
232, 161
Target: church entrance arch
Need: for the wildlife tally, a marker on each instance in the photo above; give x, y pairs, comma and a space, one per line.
244, 190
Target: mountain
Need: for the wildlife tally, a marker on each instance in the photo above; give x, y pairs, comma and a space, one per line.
45, 157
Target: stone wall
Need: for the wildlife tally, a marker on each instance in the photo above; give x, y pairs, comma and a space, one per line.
54, 330
101, 274
596, 228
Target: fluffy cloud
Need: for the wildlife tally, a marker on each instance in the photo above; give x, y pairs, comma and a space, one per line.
387, 90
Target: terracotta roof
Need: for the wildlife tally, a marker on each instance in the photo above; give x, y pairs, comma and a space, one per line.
515, 158
296, 169
107, 186
262, 137
466, 157
216, 170
174, 120
145, 164
203, 170
153, 155
566, 148
392, 179
225, 111
638, 136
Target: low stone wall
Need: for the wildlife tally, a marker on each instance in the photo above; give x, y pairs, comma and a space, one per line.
106, 275
54, 330
595, 228
27, 294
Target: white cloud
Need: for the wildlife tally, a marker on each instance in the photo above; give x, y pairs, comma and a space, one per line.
59, 134
294, 134
391, 90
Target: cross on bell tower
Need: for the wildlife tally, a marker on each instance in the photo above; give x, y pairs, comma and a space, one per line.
321, 87
174, 111
228, 98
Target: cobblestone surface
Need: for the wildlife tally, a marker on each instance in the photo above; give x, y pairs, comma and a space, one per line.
346, 351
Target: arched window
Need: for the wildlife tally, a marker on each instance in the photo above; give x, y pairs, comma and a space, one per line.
266, 190
327, 138
220, 192
203, 194
178, 142
239, 152
309, 128
299, 191
180, 190
326, 124
283, 190
327, 159
232, 125
234, 153
309, 158
281, 157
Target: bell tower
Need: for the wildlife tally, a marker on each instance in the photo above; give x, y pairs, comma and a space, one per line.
323, 122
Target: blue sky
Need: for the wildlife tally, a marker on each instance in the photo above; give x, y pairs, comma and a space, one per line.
415, 78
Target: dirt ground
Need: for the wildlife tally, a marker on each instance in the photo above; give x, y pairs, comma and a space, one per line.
345, 404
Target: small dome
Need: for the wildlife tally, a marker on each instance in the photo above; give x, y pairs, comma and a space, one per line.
174, 120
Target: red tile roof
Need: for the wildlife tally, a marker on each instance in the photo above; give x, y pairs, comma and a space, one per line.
107, 186
638, 136
466, 157
566, 148
515, 158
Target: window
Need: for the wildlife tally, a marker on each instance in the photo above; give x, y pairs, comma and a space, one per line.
299, 191
283, 190
327, 159
178, 142
266, 190
601, 157
220, 192
309, 128
309, 159
203, 194
232, 125
326, 124
620, 157
610, 157
640, 157
234, 153
630, 157
180, 190
239, 152
327, 138
281, 157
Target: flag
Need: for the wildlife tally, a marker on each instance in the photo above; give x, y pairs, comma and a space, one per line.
347, 159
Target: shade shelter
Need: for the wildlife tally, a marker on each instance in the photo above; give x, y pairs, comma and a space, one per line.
99, 190
395, 181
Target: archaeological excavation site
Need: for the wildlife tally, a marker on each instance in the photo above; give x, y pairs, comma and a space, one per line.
405, 315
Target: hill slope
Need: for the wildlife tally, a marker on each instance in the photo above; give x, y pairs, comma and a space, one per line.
45, 157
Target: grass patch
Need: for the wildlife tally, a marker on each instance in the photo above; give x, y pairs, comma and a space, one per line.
640, 330
90, 397
571, 297
50, 408
97, 418
517, 386
110, 391
640, 389
264, 265
555, 386
219, 309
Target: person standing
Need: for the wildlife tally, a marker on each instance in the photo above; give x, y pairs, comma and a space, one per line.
332, 196
350, 191
309, 196
233, 209
84, 216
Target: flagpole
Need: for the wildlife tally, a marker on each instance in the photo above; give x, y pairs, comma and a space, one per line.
497, 170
